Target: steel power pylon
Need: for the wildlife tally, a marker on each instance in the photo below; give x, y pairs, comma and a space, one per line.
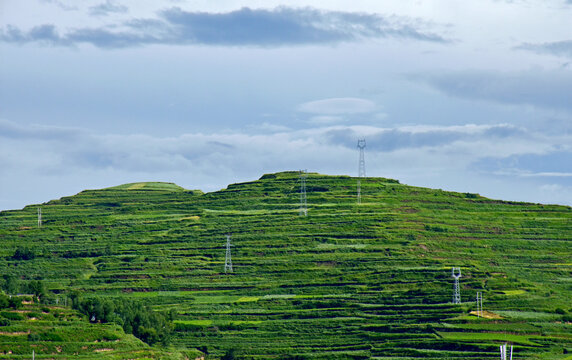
228, 259
504, 354
456, 273
361, 167
303, 201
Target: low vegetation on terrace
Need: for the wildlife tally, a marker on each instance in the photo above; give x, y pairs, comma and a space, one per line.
347, 281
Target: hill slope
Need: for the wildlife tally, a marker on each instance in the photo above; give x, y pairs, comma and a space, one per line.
346, 281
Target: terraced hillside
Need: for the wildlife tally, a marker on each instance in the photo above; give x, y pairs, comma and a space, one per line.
346, 281
63, 333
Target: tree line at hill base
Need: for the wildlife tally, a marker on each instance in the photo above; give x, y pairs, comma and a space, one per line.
150, 326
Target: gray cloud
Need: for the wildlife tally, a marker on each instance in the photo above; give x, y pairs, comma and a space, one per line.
553, 164
69, 158
11, 130
44, 34
281, 26
75, 148
403, 138
559, 48
546, 89
60, 4
106, 8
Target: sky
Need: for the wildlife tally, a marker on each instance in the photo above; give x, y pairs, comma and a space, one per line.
469, 96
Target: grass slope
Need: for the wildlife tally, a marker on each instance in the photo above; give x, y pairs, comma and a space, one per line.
347, 281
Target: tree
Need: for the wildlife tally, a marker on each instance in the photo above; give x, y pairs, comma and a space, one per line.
37, 288
11, 284
135, 318
229, 355
23, 253
4, 301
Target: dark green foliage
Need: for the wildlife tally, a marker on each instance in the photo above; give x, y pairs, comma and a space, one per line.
135, 318
23, 253
4, 301
10, 284
11, 315
35, 287
15, 302
32, 337
229, 355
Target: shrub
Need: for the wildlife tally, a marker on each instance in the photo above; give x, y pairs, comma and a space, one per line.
10, 284
34, 337
4, 301
11, 315
15, 302
23, 253
229, 355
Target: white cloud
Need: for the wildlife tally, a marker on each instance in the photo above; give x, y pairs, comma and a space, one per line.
338, 106
325, 119
211, 161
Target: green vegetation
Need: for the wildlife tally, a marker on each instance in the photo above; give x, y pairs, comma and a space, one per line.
347, 281
135, 318
64, 333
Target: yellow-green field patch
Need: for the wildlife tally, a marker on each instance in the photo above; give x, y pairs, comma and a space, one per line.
513, 292
248, 298
136, 186
194, 218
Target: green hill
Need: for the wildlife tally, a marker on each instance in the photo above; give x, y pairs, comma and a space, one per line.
369, 280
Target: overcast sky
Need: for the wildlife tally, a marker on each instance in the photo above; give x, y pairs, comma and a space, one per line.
468, 96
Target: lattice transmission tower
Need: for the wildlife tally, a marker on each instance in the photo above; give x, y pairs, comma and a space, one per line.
503, 352
456, 289
39, 217
228, 259
361, 167
479, 304
303, 201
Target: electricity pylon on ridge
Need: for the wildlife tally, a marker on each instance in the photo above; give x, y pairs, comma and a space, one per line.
228, 259
39, 217
456, 273
479, 304
303, 200
503, 352
361, 167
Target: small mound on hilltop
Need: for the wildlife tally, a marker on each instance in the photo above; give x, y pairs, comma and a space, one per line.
148, 186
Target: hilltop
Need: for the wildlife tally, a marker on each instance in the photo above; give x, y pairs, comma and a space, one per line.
369, 280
